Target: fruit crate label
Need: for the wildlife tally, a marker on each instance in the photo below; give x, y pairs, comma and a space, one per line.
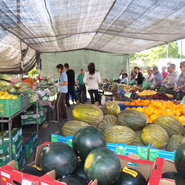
26, 182
131, 172
5, 175
128, 95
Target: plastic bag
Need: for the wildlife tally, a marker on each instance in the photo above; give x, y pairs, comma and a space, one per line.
146, 84
132, 82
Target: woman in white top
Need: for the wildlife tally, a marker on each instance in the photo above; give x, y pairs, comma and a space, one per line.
150, 77
91, 79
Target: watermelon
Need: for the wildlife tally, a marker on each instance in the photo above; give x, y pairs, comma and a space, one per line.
79, 171
179, 180
170, 124
174, 142
73, 180
88, 113
59, 157
119, 134
104, 165
133, 119
154, 134
73, 126
111, 108
87, 139
108, 121
130, 177
180, 160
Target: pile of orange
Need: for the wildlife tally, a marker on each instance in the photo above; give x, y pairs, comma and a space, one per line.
154, 109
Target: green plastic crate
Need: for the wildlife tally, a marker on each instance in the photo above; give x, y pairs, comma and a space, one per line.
31, 119
24, 98
8, 107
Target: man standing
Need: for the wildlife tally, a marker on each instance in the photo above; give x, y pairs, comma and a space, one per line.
171, 80
158, 77
71, 84
80, 84
164, 73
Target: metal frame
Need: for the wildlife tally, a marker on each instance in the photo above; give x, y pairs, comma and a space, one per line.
9, 121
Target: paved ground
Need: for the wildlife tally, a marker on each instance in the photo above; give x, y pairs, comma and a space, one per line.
49, 128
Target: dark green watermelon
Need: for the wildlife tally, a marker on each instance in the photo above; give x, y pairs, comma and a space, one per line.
127, 179
79, 171
73, 180
86, 140
104, 165
59, 157
180, 160
179, 180
32, 171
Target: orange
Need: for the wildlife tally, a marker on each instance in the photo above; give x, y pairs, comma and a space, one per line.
153, 117
149, 112
139, 109
176, 117
132, 103
127, 103
182, 119
157, 111
177, 113
127, 108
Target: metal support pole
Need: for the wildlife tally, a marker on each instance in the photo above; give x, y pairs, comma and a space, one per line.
37, 118
181, 51
10, 137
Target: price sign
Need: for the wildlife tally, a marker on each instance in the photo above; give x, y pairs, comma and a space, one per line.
128, 95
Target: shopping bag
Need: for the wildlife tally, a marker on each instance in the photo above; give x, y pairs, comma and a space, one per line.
146, 84
132, 82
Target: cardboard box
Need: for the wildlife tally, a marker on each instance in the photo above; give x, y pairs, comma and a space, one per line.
144, 152
161, 166
9, 173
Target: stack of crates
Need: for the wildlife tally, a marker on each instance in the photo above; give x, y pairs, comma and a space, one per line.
31, 118
29, 144
17, 153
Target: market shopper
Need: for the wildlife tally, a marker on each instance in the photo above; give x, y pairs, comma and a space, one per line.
150, 77
91, 79
71, 84
81, 89
164, 72
125, 79
132, 76
139, 76
158, 77
181, 81
170, 81
60, 108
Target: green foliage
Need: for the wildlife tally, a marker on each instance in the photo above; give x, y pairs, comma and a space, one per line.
150, 57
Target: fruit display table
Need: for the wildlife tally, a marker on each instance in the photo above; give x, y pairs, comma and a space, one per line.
8, 120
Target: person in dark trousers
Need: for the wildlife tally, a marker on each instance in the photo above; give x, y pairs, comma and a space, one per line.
139, 76
80, 85
91, 79
60, 108
71, 84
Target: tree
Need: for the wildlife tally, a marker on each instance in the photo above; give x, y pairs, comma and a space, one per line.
151, 56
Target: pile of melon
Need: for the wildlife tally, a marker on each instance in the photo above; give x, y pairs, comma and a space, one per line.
128, 127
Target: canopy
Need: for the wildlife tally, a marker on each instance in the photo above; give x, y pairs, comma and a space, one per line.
116, 26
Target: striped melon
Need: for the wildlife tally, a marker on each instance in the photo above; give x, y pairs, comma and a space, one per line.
111, 108
174, 142
132, 118
88, 114
170, 124
108, 121
71, 127
119, 134
154, 134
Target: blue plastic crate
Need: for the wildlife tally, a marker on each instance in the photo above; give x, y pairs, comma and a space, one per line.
123, 149
123, 106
